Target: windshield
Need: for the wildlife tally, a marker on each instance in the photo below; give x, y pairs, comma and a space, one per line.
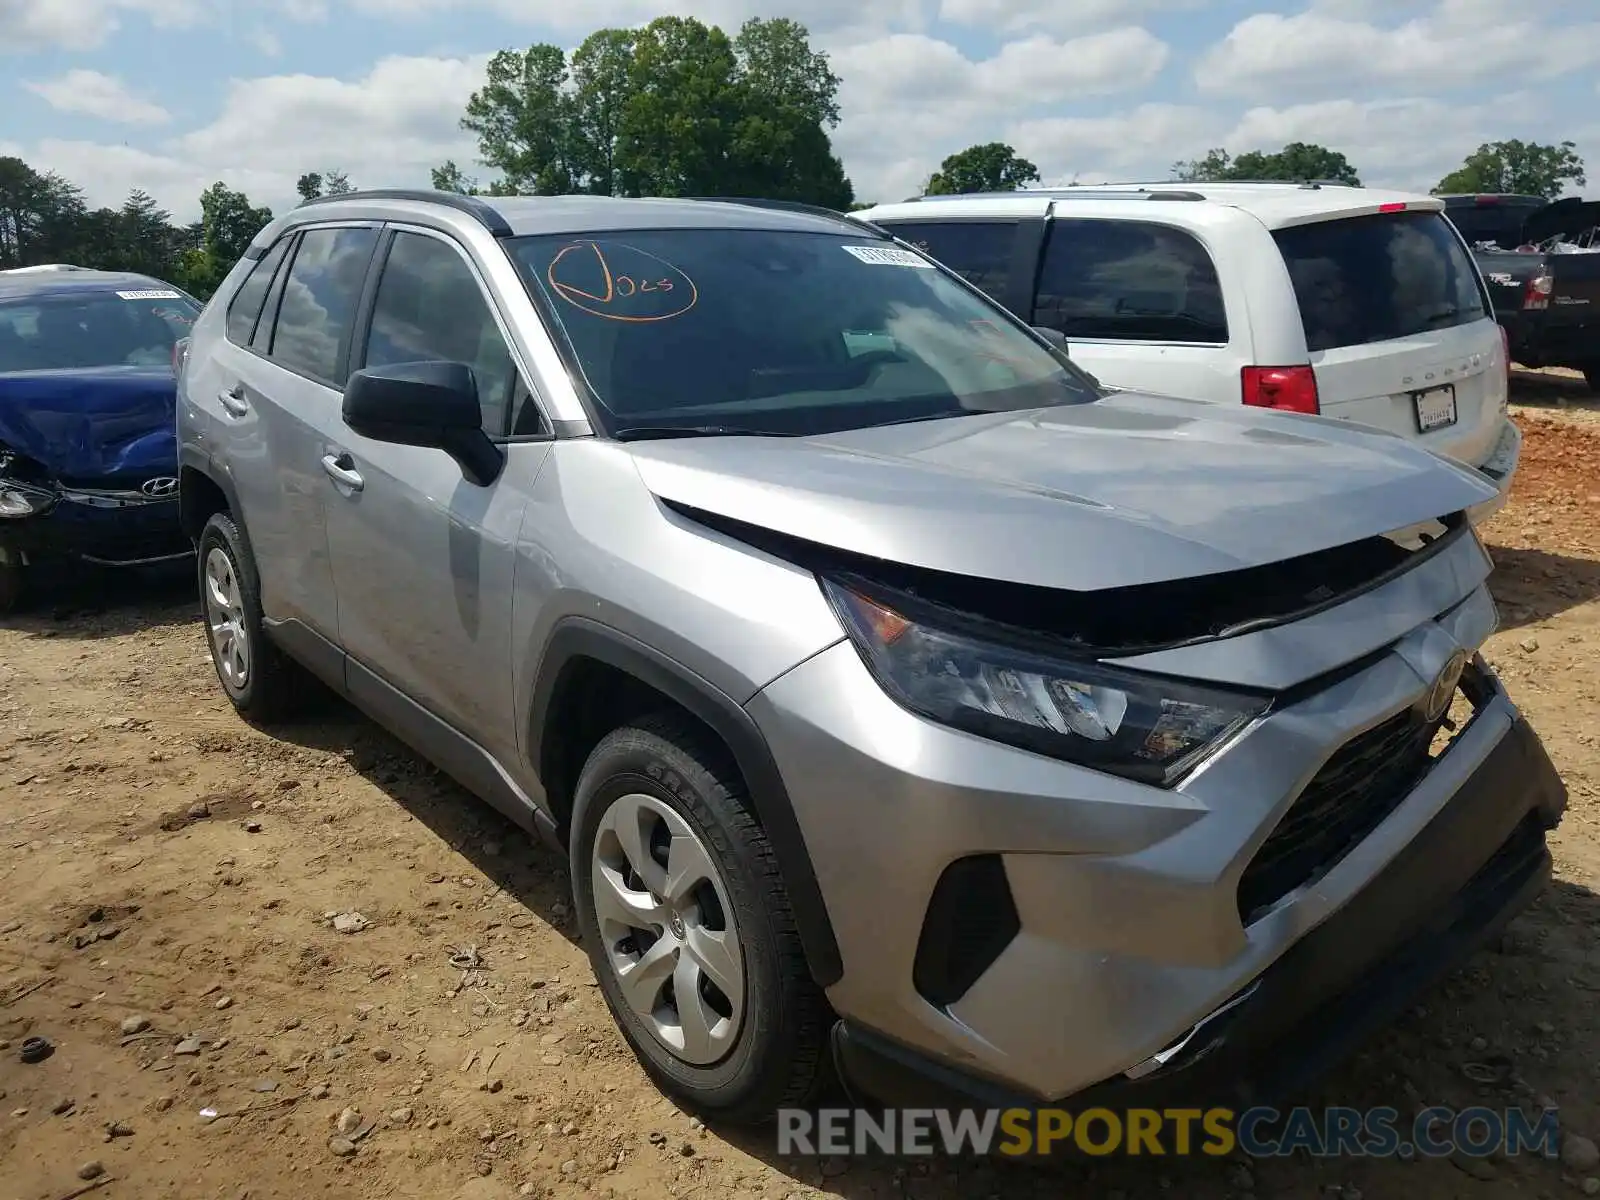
783, 333
78, 331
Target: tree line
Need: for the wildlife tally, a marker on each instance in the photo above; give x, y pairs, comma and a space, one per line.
674, 108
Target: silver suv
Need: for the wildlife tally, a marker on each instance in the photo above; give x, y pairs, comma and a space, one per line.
901, 699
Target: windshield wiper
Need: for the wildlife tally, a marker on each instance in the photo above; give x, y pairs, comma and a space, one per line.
1441, 314
640, 433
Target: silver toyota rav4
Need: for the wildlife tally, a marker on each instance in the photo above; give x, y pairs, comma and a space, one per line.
902, 700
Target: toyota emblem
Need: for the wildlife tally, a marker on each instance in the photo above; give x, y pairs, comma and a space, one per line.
1437, 702
160, 488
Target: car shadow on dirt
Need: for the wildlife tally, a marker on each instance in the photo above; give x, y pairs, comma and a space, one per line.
83, 603
510, 858
1542, 389
1532, 585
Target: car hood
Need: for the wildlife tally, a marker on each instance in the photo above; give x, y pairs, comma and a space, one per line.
92, 425
1127, 490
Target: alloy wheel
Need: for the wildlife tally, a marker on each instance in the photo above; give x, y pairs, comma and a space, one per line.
225, 623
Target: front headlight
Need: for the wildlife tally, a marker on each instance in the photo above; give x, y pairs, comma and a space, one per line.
1138, 726
19, 500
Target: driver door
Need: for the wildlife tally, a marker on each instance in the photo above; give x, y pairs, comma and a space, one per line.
423, 558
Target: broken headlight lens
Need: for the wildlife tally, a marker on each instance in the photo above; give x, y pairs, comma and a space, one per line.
20, 500
1141, 727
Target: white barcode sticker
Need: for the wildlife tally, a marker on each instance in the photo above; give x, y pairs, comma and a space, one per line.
887, 256
150, 294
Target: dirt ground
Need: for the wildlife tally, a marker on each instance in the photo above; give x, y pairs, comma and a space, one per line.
169, 878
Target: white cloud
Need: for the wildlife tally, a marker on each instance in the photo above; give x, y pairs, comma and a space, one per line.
909, 99
1055, 16
29, 25
96, 95
1458, 44
565, 17
387, 128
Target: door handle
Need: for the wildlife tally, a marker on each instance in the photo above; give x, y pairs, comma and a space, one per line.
341, 468
233, 401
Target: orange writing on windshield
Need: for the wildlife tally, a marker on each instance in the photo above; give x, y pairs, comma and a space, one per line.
620, 283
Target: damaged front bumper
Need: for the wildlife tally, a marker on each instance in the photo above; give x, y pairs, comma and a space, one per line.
113, 527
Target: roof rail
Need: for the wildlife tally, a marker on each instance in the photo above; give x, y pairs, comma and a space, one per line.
816, 210
1085, 191
38, 268
485, 213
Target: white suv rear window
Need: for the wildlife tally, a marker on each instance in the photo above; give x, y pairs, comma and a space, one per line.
1376, 278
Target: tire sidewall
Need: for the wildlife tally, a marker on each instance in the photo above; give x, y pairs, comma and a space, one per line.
220, 533
620, 768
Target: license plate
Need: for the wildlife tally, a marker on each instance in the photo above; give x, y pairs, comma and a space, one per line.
1436, 408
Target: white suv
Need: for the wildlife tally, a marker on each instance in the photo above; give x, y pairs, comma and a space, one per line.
1318, 298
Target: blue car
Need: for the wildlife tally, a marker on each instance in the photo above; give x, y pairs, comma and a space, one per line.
88, 464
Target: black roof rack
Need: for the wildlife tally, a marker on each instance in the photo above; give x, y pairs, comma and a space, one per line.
485, 213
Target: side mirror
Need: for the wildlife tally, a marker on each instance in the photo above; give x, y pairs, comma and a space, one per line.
1054, 336
432, 404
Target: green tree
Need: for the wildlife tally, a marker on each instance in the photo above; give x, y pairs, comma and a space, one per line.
990, 167
1297, 162
674, 108
448, 178
41, 216
1521, 168
337, 183
523, 118
228, 224
309, 185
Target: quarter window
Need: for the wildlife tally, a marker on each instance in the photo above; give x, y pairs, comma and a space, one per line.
1129, 281
245, 309
978, 251
320, 294
430, 308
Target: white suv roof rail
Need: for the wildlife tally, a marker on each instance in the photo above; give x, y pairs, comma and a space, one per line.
41, 267
1086, 192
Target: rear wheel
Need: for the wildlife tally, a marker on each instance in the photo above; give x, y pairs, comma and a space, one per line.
262, 682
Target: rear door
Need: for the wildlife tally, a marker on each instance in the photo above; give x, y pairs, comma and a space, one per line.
279, 395
1398, 328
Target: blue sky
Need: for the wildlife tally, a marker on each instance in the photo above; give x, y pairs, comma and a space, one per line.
171, 95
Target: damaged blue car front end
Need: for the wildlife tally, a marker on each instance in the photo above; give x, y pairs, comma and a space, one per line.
88, 460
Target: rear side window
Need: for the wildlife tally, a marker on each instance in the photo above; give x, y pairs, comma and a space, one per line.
245, 308
1130, 281
318, 308
978, 251
1373, 279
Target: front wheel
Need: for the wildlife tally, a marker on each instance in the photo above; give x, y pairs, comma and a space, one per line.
13, 581
688, 927
262, 683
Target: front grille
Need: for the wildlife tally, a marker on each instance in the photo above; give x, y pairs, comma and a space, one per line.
1364, 781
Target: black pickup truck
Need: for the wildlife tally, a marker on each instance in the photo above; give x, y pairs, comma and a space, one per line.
1547, 297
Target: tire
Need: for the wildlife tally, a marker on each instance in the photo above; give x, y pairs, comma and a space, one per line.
270, 687
666, 772
13, 586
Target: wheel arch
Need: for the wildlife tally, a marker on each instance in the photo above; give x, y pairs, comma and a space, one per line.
582, 655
